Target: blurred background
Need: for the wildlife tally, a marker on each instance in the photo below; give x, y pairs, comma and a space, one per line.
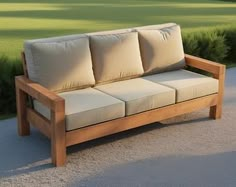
208, 28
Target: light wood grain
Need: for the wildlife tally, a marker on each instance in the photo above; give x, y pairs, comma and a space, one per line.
203, 64
56, 105
218, 72
39, 122
58, 135
216, 111
35, 90
26, 74
24, 65
21, 103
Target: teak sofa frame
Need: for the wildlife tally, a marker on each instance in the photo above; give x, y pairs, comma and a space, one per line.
55, 129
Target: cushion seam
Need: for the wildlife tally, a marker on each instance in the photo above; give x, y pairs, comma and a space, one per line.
136, 98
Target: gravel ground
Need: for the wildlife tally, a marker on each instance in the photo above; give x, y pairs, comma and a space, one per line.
189, 150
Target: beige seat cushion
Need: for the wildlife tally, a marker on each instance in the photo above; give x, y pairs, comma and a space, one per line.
86, 107
161, 49
139, 95
115, 56
62, 65
188, 85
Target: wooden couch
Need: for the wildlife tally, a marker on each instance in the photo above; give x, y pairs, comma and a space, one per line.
54, 125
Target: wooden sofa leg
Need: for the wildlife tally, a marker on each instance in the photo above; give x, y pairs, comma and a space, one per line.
58, 137
21, 103
216, 111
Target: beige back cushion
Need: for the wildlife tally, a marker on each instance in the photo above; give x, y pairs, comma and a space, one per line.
161, 49
115, 56
62, 65
152, 27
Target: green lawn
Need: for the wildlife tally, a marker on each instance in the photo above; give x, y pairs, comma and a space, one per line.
24, 19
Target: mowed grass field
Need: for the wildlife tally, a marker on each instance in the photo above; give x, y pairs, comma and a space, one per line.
25, 19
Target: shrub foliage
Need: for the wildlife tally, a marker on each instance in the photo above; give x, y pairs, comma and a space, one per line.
230, 38
8, 70
208, 45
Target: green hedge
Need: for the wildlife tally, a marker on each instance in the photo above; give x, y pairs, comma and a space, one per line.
218, 44
208, 45
8, 70
230, 40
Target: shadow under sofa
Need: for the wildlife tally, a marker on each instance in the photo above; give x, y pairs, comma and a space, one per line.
81, 87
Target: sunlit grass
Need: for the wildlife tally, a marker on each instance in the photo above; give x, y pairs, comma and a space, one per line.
155, 4
25, 19
28, 6
28, 19
50, 24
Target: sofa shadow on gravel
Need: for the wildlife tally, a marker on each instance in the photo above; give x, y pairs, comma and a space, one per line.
132, 132
22, 154
205, 170
27, 154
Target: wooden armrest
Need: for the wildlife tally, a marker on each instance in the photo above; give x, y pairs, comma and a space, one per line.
212, 67
40, 93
